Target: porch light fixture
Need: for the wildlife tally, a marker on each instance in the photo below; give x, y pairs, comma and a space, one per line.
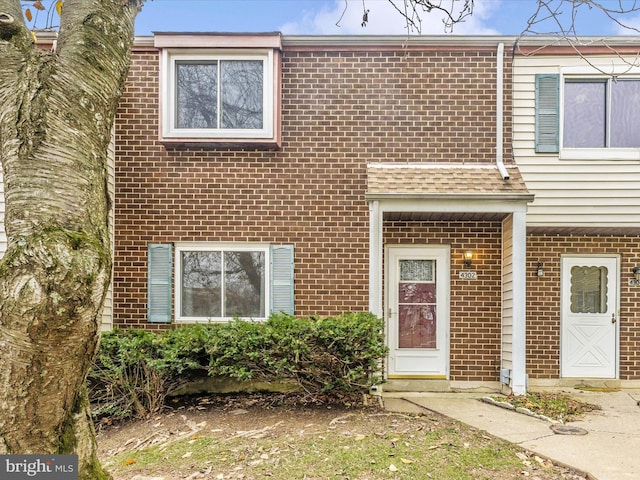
540, 271
636, 273
467, 257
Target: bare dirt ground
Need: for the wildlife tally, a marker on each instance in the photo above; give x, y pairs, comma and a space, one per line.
248, 420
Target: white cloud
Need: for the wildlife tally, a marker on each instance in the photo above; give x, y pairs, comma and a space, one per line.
630, 26
384, 19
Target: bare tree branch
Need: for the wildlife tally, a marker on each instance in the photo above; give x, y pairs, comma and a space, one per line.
556, 20
561, 19
453, 11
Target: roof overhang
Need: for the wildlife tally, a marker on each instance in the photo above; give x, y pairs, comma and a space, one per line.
453, 187
471, 197
217, 40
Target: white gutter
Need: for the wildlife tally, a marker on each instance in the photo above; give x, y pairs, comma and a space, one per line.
402, 41
499, 111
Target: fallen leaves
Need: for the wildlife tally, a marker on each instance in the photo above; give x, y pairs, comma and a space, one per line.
284, 444
256, 434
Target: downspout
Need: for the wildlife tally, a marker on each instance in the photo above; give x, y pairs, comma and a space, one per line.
500, 111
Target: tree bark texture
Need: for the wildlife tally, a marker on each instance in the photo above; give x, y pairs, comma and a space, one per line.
56, 112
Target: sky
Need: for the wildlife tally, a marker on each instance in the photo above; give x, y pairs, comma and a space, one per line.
344, 17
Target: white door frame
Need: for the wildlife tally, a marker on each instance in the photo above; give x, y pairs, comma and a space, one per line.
613, 309
435, 362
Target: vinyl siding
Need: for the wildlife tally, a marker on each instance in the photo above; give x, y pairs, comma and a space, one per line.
569, 192
107, 309
507, 294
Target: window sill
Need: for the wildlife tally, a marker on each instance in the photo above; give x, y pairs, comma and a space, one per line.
613, 154
221, 143
190, 320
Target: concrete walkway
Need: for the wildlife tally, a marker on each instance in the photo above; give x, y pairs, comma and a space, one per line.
609, 451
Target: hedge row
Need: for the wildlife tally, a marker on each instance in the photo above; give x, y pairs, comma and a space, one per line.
327, 358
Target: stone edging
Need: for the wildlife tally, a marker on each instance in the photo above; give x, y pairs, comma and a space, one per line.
523, 410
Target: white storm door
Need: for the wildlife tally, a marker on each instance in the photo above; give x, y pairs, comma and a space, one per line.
589, 322
418, 312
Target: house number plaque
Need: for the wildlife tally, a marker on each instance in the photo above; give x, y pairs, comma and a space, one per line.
468, 274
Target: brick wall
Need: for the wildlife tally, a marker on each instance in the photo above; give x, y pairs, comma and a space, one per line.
543, 299
475, 313
340, 110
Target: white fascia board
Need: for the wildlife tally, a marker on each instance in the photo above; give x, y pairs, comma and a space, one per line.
448, 203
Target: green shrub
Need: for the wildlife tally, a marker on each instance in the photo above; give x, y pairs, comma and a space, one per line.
121, 382
334, 355
330, 358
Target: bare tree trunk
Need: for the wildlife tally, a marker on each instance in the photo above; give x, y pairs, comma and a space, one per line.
56, 112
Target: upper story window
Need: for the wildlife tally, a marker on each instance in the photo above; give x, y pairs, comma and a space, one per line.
224, 92
219, 96
601, 113
588, 117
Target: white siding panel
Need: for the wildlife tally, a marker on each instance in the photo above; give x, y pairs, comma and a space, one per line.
580, 193
107, 309
523, 102
619, 203
506, 360
3, 235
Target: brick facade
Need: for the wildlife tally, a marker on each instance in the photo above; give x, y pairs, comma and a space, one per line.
341, 108
475, 312
543, 299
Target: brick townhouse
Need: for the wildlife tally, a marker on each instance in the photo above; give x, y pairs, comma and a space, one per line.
434, 181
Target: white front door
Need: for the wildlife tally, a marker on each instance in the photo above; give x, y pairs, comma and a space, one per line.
589, 323
418, 312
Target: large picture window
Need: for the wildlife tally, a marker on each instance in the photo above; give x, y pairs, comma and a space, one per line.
217, 283
601, 113
218, 96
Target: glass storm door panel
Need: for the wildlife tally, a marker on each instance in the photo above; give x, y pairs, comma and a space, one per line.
589, 322
418, 311
417, 304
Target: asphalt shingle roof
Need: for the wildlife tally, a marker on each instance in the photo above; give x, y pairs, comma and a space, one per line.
442, 179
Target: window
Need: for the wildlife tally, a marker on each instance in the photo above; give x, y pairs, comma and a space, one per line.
601, 113
219, 283
219, 94
600, 117
588, 289
228, 96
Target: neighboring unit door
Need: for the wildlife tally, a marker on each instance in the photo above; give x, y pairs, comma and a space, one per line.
589, 323
418, 312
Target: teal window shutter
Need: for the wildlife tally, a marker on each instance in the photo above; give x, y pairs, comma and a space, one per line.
282, 279
159, 283
547, 113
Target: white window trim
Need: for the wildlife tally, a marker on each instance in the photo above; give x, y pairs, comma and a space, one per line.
595, 72
168, 101
219, 247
